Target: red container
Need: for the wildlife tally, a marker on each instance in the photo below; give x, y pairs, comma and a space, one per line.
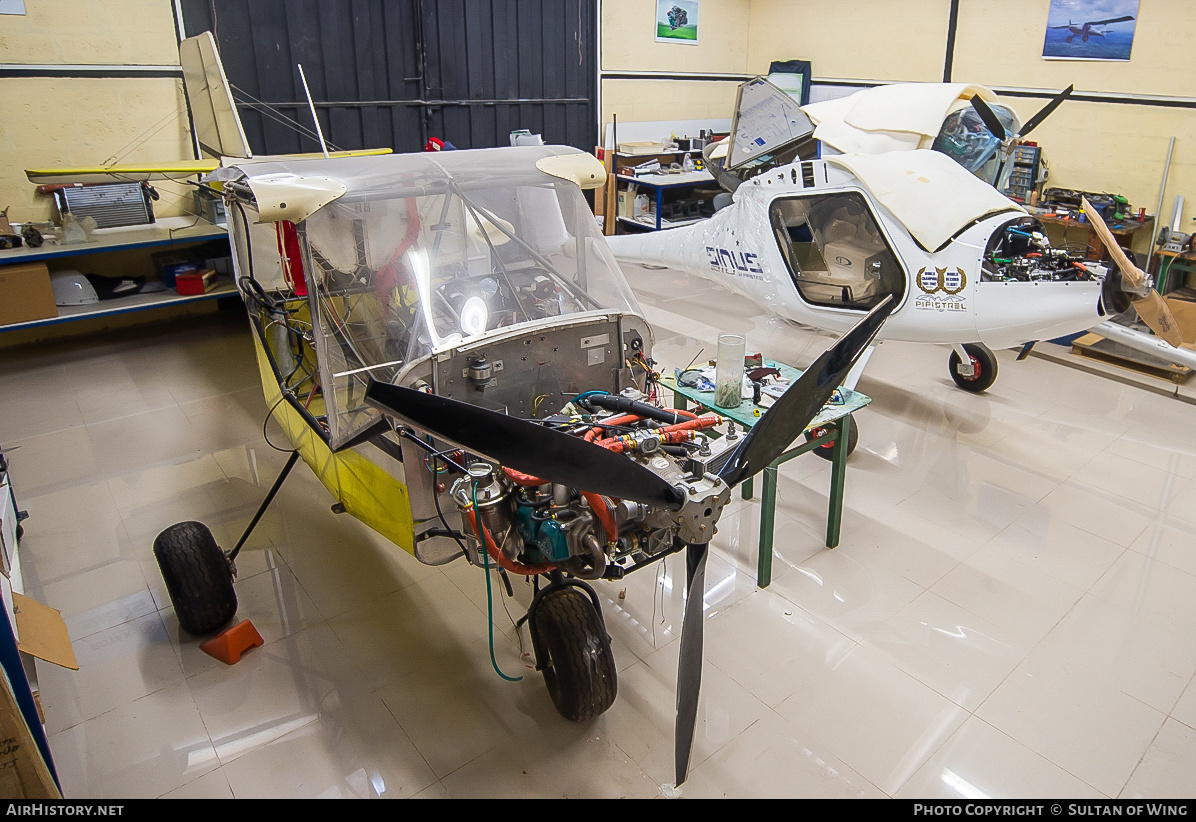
199, 281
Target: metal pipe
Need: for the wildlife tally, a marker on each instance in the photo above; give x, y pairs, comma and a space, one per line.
1146, 343
1158, 209
312, 106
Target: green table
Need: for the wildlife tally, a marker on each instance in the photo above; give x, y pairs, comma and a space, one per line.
832, 419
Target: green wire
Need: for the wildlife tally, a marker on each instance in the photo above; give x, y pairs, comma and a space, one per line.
477, 515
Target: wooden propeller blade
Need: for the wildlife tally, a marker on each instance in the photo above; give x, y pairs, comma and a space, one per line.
1152, 308
1131, 272
1155, 313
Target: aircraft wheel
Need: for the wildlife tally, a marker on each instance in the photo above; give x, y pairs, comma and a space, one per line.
984, 367
197, 577
827, 451
578, 665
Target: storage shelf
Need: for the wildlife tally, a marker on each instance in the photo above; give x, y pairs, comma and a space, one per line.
166, 231
126, 305
691, 178
663, 223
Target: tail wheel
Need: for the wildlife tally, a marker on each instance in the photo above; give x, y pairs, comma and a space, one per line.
984, 368
827, 450
197, 576
576, 658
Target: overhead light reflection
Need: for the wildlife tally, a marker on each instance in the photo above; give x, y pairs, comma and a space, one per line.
474, 316
961, 786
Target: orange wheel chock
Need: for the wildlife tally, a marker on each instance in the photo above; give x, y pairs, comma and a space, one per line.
227, 646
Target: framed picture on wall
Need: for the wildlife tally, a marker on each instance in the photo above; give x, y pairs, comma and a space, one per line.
677, 21
1090, 30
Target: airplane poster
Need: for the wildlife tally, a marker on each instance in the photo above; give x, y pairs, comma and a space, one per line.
677, 21
1090, 29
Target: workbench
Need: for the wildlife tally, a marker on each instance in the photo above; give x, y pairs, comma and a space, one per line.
829, 426
1122, 230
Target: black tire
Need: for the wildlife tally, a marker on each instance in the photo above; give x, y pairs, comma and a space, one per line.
578, 665
827, 451
984, 364
197, 577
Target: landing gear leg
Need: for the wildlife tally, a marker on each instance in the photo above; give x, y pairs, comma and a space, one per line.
973, 366
198, 575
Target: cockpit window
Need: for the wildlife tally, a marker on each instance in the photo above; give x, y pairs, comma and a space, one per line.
966, 140
834, 250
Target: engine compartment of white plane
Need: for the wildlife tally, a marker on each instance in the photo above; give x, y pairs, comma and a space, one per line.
1020, 252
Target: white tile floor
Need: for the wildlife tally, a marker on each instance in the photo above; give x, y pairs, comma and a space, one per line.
1009, 613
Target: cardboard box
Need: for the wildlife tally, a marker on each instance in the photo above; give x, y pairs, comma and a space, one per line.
1184, 312
25, 293
40, 633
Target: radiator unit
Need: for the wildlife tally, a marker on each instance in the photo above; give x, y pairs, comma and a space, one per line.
109, 204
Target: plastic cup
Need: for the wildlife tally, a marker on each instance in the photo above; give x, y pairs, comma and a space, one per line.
728, 372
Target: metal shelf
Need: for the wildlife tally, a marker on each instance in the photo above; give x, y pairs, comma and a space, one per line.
168, 231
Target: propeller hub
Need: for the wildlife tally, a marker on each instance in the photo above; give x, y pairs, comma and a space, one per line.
1114, 296
705, 499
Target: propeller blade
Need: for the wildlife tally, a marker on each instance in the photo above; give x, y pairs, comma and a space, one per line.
1045, 112
533, 449
689, 665
801, 402
1151, 308
1155, 312
989, 117
1133, 275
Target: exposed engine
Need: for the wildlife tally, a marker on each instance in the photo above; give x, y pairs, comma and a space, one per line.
529, 526
1021, 252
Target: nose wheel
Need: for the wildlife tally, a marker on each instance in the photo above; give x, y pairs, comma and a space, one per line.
573, 651
979, 372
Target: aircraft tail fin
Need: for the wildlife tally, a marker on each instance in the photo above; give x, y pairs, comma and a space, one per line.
217, 124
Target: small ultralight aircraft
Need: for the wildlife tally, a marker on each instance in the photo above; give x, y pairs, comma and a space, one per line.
891, 196
450, 346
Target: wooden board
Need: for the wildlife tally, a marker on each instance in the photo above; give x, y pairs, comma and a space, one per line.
1096, 347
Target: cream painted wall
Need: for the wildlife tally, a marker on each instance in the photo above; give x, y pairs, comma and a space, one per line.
634, 101
1161, 62
893, 40
629, 45
78, 121
113, 32
629, 38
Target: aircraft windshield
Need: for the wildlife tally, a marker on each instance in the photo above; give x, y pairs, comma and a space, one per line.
426, 251
966, 140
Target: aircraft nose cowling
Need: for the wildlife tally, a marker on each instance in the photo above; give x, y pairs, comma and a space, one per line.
1114, 299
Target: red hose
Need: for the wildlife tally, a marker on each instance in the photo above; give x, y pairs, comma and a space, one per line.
479, 528
623, 420
520, 478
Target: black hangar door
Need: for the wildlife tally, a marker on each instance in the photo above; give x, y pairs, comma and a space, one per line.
393, 73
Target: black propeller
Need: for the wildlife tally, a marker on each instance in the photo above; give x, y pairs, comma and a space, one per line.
525, 446
993, 124
569, 460
777, 429
1045, 112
